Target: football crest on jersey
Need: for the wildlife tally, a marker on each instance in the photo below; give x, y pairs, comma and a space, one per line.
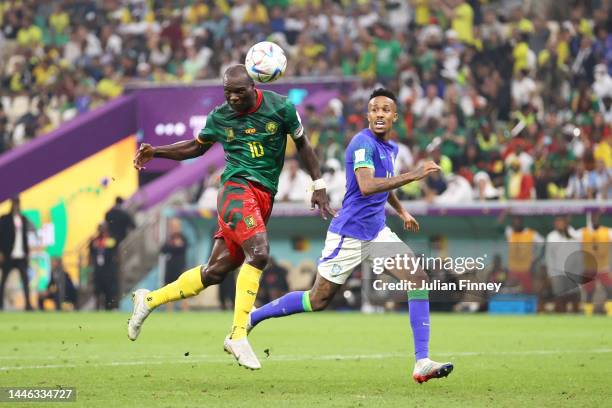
271, 127
229, 132
250, 222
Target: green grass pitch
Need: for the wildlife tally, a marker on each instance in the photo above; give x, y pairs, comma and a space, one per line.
316, 360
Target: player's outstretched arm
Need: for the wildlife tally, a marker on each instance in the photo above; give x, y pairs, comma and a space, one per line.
186, 149
309, 158
368, 184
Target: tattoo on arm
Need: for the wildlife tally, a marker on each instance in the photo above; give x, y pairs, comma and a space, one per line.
368, 184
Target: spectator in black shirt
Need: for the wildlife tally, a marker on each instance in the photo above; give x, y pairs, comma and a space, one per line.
14, 249
103, 259
119, 221
60, 289
175, 250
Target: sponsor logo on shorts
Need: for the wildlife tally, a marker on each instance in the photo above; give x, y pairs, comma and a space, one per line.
250, 131
250, 222
271, 127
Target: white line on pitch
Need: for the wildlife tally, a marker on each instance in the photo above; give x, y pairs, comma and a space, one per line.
216, 359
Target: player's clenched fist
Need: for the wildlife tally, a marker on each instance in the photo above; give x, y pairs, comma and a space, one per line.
143, 156
426, 169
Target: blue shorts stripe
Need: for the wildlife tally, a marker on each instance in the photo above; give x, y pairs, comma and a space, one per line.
334, 253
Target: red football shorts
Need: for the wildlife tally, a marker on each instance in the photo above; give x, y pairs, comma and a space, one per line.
243, 209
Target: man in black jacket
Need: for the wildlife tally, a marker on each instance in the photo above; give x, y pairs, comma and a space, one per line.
103, 259
14, 249
119, 221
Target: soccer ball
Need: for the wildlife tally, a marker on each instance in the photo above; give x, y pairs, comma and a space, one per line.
265, 62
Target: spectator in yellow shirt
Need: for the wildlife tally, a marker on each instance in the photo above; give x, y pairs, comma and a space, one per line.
518, 21
45, 73
197, 13
309, 49
59, 20
521, 53
257, 14
563, 49
305, 3
461, 15
421, 12
29, 36
603, 151
109, 87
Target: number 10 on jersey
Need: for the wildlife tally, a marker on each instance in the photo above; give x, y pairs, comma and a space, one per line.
256, 149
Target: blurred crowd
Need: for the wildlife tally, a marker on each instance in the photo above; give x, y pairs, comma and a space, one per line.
512, 98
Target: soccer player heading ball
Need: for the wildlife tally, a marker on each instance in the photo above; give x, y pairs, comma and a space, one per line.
252, 126
359, 229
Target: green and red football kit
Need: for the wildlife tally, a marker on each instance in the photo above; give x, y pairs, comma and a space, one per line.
254, 143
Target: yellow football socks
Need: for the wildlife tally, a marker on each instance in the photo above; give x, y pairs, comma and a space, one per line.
187, 285
588, 309
608, 307
247, 286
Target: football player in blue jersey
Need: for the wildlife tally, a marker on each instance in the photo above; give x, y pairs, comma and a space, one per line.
359, 232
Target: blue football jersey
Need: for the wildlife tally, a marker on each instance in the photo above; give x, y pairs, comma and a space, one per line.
364, 217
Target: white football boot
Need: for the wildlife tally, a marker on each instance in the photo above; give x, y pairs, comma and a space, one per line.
242, 351
140, 313
426, 369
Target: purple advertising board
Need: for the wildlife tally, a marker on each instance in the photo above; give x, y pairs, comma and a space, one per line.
156, 115
33, 162
169, 115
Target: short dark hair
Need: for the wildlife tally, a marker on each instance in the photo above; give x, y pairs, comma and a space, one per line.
383, 92
237, 71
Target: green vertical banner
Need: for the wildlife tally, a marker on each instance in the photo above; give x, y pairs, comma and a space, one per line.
39, 264
34, 217
59, 218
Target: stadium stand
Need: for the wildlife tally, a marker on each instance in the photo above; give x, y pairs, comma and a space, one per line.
517, 98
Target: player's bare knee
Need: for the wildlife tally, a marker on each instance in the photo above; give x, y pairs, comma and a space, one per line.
211, 275
259, 256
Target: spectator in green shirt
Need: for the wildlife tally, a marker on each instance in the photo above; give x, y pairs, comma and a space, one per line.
453, 139
425, 135
366, 66
487, 140
388, 51
561, 162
